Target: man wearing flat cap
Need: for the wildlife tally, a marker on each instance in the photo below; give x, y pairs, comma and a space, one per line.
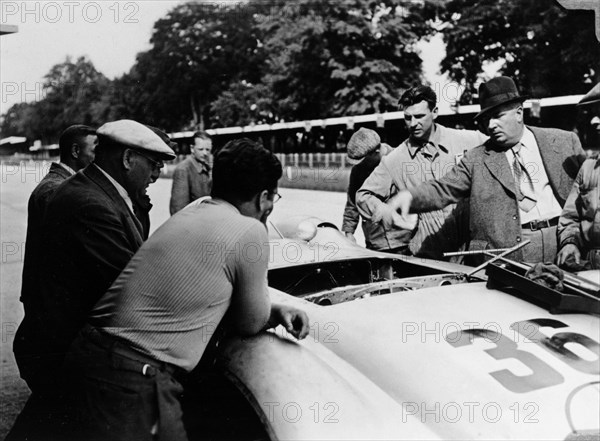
517, 181
91, 234
365, 150
579, 224
429, 152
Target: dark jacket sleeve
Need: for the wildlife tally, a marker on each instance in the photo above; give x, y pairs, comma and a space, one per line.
89, 249
180, 192
351, 215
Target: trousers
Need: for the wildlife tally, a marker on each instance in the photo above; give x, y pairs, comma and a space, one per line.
119, 394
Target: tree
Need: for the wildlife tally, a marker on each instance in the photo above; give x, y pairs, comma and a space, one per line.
548, 50
71, 90
329, 58
197, 52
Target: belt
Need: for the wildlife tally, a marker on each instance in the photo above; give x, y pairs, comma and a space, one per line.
539, 224
129, 359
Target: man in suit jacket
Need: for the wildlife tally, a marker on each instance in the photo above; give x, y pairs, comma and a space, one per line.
91, 233
428, 153
518, 181
76, 146
192, 178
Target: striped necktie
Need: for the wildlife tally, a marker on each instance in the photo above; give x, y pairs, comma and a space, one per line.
523, 185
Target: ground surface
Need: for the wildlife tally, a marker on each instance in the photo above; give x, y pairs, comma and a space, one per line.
16, 184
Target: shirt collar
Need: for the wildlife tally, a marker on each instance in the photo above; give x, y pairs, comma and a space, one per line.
66, 167
120, 189
434, 141
528, 140
200, 166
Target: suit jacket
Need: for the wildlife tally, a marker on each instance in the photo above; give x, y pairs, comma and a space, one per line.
38, 201
191, 180
485, 175
90, 235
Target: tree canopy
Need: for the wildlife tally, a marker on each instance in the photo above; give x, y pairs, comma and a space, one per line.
224, 64
547, 49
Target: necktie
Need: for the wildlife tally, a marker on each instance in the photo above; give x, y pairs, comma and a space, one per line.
523, 185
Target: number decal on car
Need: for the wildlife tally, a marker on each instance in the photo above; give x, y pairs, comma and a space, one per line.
556, 344
542, 374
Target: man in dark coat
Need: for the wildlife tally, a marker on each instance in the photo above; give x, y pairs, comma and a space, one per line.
76, 146
544, 163
90, 234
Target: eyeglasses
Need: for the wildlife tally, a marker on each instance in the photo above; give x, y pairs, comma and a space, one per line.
157, 165
276, 196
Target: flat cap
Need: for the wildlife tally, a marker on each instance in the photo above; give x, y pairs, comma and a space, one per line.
137, 136
593, 96
363, 142
164, 137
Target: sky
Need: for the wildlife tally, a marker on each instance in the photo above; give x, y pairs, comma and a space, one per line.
110, 33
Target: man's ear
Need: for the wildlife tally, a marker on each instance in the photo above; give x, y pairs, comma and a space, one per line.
127, 159
75, 150
262, 199
519, 113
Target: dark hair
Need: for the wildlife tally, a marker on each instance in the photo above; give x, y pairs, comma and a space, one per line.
201, 134
71, 135
417, 94
242, 169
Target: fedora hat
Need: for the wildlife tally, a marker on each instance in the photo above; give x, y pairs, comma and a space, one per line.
498, 91
593, 96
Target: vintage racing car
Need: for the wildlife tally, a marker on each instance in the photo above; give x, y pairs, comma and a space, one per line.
409, 348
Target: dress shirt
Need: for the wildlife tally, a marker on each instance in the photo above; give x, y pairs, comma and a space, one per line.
547, 207
67, 168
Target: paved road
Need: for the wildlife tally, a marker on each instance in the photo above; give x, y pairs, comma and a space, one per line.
16, 184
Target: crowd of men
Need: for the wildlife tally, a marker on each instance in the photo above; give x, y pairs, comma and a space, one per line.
493, 189
115, 320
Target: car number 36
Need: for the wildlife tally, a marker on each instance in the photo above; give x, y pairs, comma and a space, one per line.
542, 374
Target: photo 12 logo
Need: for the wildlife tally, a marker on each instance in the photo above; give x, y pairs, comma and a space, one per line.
68, 12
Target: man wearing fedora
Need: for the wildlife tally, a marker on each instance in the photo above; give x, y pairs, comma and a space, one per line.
365, 150
91, 233
579, 224
517, 181
430, 151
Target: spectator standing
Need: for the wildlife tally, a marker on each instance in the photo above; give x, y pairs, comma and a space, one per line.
429, 152
192, 177
365, 147
579, 224
77, 145
518, 181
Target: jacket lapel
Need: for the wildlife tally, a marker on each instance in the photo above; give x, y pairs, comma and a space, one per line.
550, 151
98, 177
497, 164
